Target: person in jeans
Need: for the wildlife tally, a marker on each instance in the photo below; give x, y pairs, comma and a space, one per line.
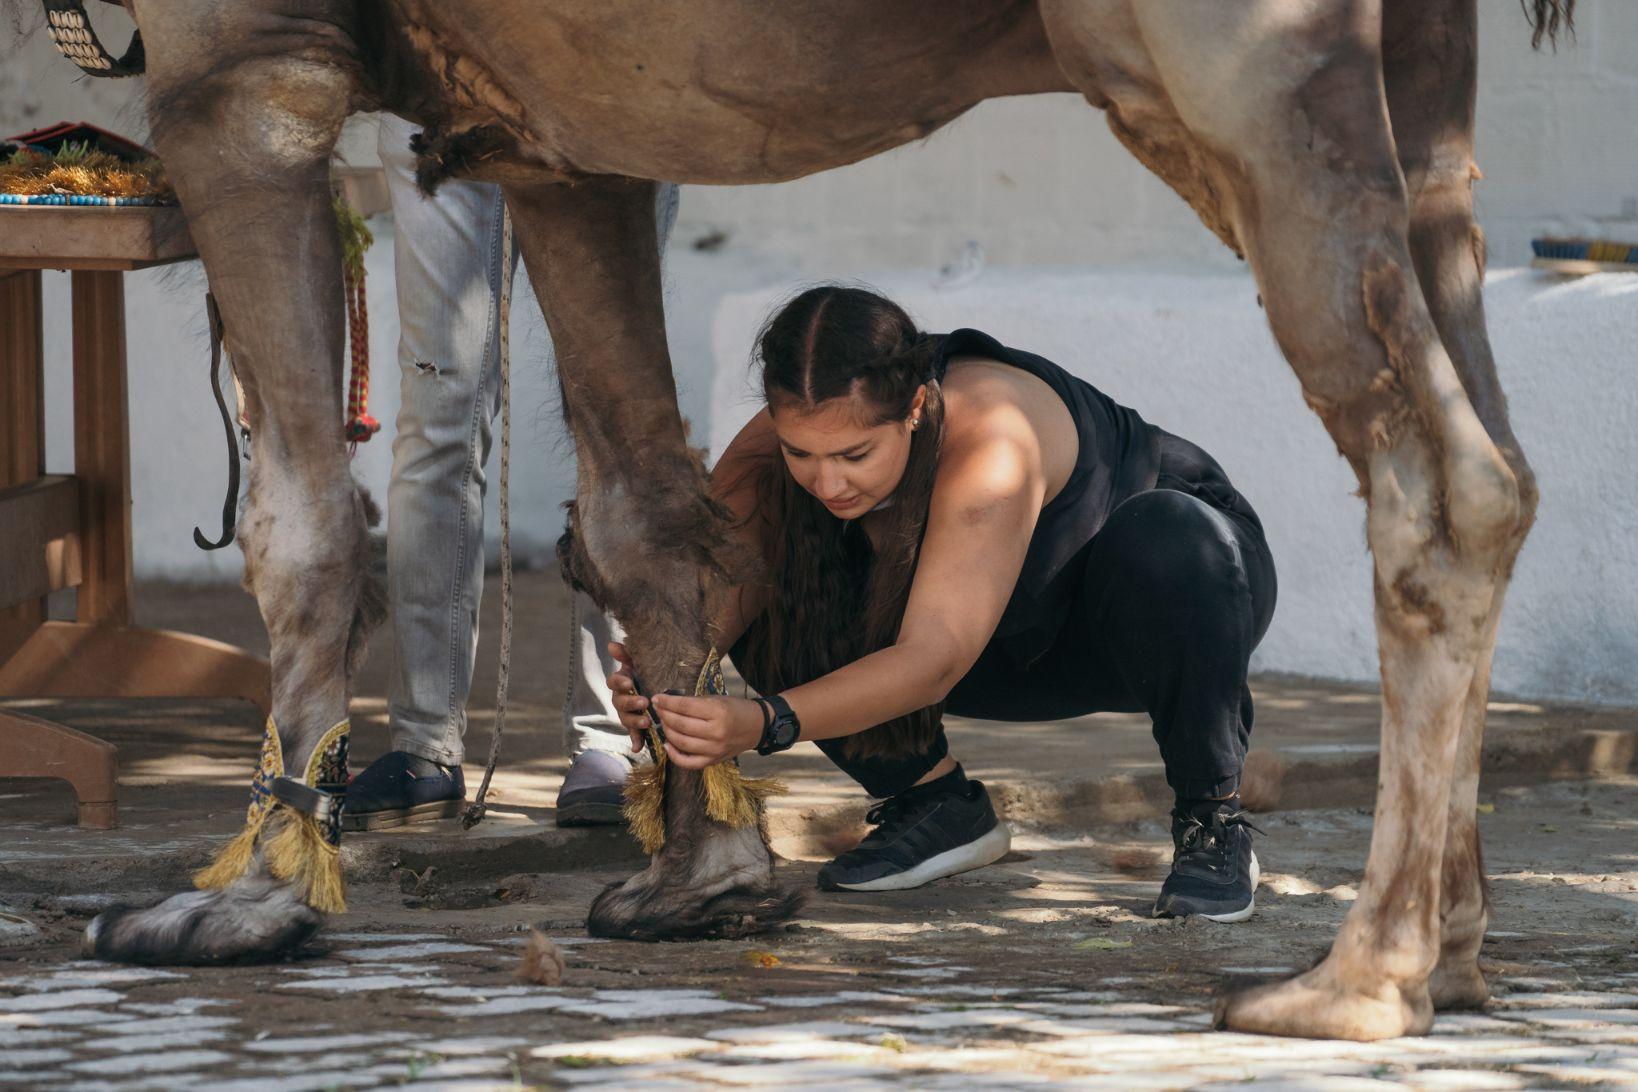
449, 269
950, 523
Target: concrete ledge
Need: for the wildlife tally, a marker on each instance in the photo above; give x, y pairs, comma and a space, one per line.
1578, 745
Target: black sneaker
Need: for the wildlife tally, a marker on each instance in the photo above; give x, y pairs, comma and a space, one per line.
1214, 871
399, 789
922, 834
593, 791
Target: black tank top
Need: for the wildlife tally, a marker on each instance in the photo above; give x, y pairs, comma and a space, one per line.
1120, 456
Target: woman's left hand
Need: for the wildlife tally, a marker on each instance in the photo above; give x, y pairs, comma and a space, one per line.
702, 731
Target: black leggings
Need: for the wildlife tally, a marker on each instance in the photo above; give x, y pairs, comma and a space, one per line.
1174, 594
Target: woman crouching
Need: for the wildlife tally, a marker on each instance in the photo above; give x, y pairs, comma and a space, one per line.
951, 524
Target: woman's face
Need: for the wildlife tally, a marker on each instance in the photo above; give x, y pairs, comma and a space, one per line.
834, 452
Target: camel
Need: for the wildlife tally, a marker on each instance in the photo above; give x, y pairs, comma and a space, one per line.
1327, 142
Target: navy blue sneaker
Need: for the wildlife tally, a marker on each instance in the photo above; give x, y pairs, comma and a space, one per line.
923, 834
593, 791
399, 789
1214, 871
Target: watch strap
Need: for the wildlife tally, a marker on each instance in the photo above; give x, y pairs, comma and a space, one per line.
776, 710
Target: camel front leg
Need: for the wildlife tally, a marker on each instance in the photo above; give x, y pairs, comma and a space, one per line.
246, 135
645, 539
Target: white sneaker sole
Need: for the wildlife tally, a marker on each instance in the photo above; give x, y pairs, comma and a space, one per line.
952, 862
1250, 907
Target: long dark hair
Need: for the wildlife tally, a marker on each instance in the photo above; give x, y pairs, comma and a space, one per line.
833, 598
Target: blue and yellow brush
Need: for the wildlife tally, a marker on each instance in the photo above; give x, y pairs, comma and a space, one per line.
1584, 255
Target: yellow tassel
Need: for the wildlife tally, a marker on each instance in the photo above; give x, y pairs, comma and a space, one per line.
234, 858
730, 796
645, 806
296, 849
733, 798
298, 853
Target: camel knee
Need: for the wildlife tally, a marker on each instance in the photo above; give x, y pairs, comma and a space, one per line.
284, 102
316, 571
655, 551
1475, 498
1485, 510
1529, 493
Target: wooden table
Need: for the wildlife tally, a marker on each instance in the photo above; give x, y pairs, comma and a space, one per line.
74, 530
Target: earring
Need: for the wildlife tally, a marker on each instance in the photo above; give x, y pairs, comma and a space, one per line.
915, 423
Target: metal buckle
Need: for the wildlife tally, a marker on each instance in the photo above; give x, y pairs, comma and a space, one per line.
322, 806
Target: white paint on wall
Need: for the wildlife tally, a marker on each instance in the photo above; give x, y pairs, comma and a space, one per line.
1193, 354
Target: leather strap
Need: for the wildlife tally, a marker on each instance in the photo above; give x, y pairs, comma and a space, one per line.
230, 506
775, 708
322, 806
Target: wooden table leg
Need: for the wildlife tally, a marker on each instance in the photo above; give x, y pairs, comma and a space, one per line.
100, 655
22, 417
31, 747
102, 448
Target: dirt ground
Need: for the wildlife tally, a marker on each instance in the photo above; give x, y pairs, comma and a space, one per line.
1040, 971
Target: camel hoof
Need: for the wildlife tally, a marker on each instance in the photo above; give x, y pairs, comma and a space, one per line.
1314, 1006
1458, 985
256, 920
635, 911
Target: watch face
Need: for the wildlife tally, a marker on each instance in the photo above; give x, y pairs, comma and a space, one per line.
784, 731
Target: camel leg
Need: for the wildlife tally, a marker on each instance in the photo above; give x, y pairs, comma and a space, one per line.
1281, 130
246, 132
1327, 233
1430, 81
645, 540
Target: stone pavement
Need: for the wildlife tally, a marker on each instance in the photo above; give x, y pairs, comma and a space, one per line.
1040, 971
454, 1020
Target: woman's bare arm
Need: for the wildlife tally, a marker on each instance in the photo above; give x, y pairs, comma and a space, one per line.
986, 502
985, 505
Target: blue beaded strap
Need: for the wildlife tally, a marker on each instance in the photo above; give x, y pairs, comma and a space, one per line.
74, 199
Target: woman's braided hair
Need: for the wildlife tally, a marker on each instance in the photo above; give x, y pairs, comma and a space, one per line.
833, 598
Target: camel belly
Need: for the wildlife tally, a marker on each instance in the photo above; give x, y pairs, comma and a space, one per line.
711, 92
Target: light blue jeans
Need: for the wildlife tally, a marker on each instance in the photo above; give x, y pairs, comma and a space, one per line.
448, 266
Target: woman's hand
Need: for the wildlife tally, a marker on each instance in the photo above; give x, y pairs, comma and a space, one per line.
630, 705
706, 730
698, 731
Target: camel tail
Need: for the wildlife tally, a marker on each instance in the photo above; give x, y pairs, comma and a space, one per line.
1547, 18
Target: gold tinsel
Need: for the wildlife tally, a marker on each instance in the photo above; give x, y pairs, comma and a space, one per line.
730, 796
76, 170
295, 848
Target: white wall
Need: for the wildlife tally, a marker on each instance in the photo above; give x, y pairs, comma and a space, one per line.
1193, 354
1038, 187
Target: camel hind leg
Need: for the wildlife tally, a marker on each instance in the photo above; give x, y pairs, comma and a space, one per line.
1430, 81
1328, 230
246, 133
1280, 117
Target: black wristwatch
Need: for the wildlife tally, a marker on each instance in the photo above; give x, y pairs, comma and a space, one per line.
780, 728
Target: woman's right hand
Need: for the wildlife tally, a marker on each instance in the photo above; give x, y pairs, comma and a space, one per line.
630, 705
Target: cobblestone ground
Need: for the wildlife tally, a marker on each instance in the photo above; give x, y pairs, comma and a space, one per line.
1039, 972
